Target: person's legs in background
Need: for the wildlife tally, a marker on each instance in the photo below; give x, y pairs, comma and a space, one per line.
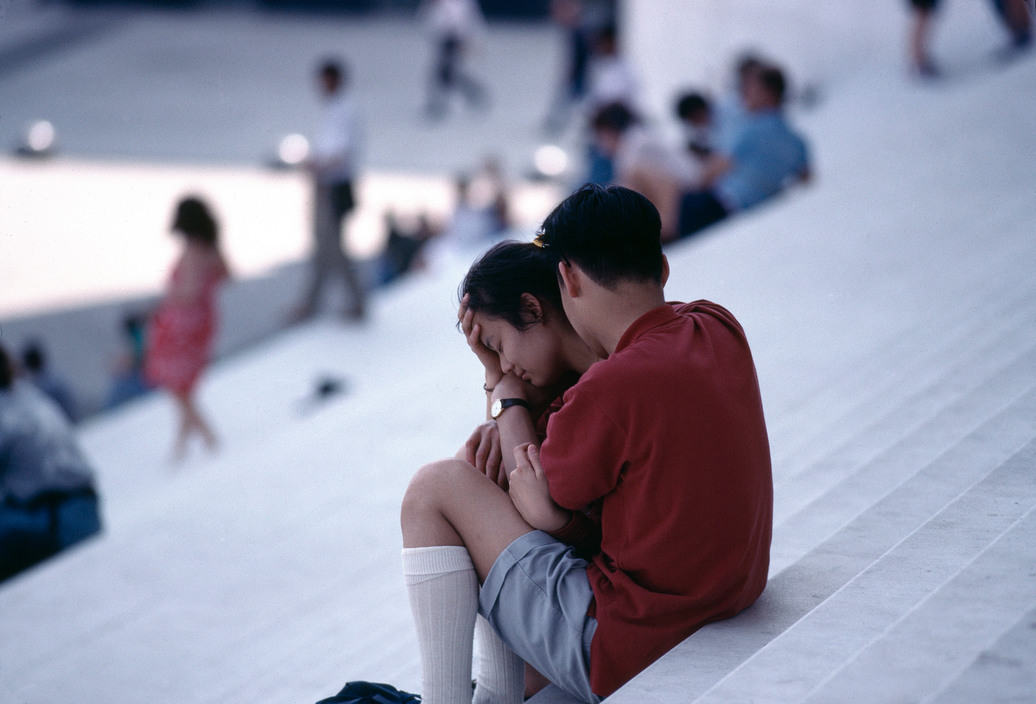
920, 37
1017, 17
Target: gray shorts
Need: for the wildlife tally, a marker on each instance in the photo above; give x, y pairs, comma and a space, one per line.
536, 597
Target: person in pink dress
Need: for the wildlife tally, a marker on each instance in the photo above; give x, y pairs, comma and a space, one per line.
184, 324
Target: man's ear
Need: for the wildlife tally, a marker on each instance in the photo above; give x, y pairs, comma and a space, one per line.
665, 269
570, 279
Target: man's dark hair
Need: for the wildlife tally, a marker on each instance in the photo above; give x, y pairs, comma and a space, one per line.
6, 369
772, 79
496, 281
612, 233
616, 117
33, 357
748, 63
334, 70
608, 34
690, 104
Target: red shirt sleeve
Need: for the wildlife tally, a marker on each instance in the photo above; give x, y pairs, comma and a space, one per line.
579, 473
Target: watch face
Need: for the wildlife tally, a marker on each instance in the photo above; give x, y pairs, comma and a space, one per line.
497, 408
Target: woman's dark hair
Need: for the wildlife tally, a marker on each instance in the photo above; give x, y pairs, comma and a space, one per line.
6, 369
612, 233
496, 281
195, 221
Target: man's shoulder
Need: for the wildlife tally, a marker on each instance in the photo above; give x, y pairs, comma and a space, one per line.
667, 339
701, 313
651, 339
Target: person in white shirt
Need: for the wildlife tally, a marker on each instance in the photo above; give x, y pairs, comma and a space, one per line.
455, 25
333, 167
612, 77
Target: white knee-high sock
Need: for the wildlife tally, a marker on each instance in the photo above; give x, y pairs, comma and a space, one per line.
500, 674
443, 590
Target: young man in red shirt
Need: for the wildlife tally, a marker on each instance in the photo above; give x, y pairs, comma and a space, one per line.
646, 513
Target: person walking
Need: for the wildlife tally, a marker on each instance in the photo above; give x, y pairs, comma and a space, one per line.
455, 26
333, 170
182, 329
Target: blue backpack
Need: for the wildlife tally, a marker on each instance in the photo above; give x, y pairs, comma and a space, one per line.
371, 693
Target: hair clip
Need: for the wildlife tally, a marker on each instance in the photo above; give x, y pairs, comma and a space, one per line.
538, 240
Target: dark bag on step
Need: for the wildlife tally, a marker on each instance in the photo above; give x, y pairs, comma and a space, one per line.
371, 693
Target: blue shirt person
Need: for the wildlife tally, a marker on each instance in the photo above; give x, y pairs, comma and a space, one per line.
765, 156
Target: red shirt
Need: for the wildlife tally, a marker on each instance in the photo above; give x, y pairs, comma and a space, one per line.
665, 441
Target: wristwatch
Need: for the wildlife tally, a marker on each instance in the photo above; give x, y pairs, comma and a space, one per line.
502, 404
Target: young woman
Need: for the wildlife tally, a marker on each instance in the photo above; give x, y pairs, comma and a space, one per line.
512, 316
183, 327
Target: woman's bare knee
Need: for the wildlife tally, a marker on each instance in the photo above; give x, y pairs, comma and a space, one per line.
422, 515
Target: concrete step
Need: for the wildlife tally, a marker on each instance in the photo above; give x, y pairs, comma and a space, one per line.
856, 640
1004, 667
981, 548
908, 366
816, 502
977, 306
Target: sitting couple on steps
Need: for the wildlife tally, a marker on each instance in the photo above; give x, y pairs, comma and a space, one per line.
618, 497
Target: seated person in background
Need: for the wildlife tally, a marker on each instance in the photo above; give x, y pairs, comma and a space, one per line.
644, 163
404, 246
128, 371
47, 498
729, 110
695, 115
36, 370
766, 156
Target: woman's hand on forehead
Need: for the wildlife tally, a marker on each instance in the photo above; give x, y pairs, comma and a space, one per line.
472, 332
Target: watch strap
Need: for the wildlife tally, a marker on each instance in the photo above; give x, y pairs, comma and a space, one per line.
503, 404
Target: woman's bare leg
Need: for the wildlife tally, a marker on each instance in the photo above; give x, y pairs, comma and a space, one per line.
191, 421
455, 522
534, 681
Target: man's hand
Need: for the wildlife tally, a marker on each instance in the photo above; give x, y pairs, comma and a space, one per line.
531, 494
483, 450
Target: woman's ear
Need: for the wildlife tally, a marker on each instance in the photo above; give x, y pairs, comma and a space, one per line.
532, 309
